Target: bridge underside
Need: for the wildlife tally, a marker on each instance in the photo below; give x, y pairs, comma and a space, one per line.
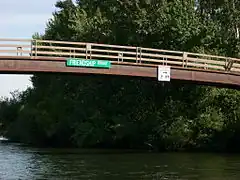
25, 66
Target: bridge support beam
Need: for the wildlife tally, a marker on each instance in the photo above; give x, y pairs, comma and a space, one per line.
27, 65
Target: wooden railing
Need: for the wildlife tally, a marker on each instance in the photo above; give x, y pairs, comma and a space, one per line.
128, 55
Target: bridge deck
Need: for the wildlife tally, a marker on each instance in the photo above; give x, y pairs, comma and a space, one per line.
23, 55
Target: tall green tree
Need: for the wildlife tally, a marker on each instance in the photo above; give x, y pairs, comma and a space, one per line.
123, 112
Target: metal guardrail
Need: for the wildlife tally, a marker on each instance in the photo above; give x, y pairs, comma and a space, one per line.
116, 54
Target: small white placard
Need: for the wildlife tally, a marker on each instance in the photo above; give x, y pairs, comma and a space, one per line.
164, 73
89, 47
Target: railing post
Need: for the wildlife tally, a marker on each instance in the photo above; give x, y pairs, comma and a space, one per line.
19, 49
35, 47
184, 59
72, 53
120, 56
31, 48
165, 61
228, 64
88, 48
138, 54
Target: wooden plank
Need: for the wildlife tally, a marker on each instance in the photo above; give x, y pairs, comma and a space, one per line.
60, 42
113, 46
235, 60
235, 70
84, 49
83, 54
158, 62
113, 51
59, 48
207, 55
85, 43
161, 50
17, 39
60, 53
236, 65
14, 51
112, 57
139, 64
207, 66
15, 45
206, 61
162, 56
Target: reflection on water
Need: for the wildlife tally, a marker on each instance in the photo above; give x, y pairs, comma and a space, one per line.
18, 162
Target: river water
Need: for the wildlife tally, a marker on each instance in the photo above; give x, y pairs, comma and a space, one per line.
18, 162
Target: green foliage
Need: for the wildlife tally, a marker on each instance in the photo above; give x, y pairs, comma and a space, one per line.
123, 112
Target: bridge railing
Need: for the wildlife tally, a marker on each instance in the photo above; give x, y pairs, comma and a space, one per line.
15, 47
128, 55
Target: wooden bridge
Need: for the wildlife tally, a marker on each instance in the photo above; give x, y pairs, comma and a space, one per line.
31, 55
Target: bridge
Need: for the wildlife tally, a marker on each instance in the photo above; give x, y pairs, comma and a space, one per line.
32, 55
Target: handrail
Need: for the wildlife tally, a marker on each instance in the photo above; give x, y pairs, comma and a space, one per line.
117, 54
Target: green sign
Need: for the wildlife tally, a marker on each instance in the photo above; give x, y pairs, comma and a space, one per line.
88, 63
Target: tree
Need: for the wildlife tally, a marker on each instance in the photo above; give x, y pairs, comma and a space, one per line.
120, 112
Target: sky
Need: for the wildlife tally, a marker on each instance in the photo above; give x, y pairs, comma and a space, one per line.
21, 19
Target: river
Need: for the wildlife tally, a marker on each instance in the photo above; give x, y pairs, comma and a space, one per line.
18, 162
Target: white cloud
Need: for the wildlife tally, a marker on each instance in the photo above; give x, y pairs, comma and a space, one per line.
10, 83
30, 6
20, 19
24, 19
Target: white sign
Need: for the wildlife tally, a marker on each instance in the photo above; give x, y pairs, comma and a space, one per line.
89, 47
164, 73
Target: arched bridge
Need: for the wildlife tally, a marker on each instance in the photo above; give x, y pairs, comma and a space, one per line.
31, 55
